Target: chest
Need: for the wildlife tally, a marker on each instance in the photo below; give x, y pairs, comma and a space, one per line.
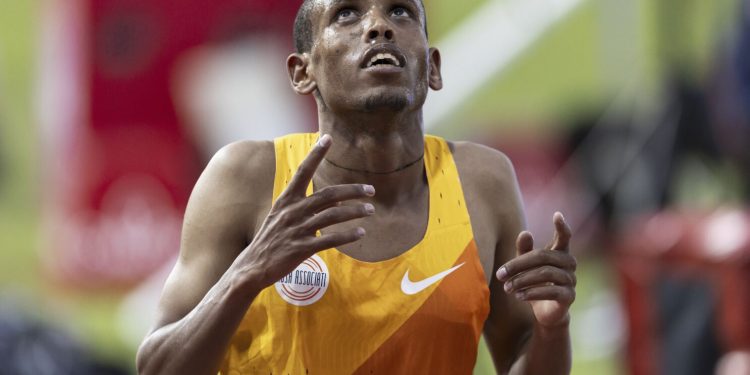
390, 232
393, 231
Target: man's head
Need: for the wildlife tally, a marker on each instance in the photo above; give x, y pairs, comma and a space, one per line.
363, 55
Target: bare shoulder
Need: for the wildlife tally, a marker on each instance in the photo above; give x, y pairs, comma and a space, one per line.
243, 162
231, 194
239, 172
488, 171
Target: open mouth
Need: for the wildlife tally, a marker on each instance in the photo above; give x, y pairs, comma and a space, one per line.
383, 57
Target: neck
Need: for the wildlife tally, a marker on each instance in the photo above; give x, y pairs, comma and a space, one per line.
381, 149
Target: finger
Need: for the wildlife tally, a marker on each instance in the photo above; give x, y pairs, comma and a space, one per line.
331, 195
524, 244
540, 276
563, 294
534, 259
303, 176
331, 240
561, 240
339, 214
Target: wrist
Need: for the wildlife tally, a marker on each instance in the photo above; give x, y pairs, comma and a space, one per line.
246, 282
560, 329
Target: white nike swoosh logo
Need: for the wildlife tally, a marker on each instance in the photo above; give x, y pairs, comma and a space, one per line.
409, 287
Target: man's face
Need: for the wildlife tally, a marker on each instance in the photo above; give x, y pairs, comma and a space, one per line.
370, 55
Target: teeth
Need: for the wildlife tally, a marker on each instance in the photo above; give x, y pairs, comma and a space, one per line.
384, 56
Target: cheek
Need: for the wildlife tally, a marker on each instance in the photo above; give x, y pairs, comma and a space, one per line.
422, 70
334, 42
334, 53
422, 77
324, 65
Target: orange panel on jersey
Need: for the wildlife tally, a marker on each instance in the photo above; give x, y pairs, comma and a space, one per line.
446, 317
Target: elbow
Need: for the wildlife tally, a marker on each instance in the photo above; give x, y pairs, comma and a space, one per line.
144, 359
141, 360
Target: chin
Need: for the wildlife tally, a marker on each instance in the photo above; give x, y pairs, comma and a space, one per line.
389, 101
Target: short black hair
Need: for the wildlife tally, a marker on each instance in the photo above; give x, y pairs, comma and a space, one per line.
303, 33
303, 27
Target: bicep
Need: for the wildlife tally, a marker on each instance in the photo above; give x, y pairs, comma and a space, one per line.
186, 285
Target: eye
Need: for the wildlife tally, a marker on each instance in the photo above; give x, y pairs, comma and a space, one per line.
344, 14
400, 12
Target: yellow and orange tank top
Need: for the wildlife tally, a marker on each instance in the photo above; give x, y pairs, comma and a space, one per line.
421, 312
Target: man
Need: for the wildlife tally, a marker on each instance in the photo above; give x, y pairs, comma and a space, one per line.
374, 257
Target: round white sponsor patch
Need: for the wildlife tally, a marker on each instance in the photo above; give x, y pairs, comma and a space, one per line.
306, 284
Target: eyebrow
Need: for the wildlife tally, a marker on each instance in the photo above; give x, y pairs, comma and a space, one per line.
337, 2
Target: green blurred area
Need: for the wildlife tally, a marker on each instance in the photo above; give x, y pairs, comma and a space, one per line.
579, 65
18, 173
90, 317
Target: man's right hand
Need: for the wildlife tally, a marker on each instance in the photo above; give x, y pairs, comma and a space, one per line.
288, 235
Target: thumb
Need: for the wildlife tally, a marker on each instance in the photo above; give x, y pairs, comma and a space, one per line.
524, 243
562, 233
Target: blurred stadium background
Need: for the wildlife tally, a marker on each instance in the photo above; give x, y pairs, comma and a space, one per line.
629, 116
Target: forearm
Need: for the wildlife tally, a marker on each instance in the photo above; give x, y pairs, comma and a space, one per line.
547, 352
196, 343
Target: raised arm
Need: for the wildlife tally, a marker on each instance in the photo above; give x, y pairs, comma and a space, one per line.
218, 275
527, 330
530, 290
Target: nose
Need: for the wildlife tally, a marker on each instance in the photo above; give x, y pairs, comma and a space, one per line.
378, 28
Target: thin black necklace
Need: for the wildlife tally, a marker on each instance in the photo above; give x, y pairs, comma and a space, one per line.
401, 168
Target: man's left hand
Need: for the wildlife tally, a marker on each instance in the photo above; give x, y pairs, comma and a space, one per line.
543, 277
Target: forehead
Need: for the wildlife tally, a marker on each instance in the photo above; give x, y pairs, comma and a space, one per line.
321, 6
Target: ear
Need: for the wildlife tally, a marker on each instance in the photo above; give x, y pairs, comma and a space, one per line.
436, 78
297, 66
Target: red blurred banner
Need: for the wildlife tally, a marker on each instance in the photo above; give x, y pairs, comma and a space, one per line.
118, 163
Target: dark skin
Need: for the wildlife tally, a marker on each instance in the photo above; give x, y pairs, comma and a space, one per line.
235, 243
